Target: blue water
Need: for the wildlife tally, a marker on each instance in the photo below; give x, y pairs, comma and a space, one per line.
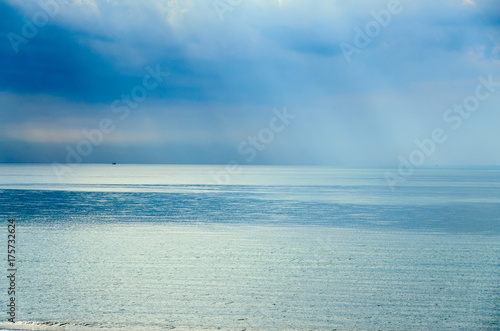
155, 247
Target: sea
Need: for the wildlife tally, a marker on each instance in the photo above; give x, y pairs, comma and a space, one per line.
219, 247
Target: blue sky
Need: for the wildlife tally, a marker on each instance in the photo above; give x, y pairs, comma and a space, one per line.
227, 67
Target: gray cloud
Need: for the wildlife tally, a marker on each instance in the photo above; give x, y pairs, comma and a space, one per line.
225, 77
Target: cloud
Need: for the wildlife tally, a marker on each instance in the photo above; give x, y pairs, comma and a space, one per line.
226, 76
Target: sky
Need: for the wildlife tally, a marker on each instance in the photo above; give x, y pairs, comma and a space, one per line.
323, 82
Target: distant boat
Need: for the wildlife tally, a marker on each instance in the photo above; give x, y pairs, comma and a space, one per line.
114, 163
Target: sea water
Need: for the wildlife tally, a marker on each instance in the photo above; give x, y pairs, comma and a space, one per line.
197, 247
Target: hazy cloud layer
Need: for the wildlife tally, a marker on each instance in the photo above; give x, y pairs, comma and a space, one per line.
221, 79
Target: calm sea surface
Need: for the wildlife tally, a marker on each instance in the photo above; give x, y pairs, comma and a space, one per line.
157, 247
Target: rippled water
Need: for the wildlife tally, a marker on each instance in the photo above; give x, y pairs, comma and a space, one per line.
159, 247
